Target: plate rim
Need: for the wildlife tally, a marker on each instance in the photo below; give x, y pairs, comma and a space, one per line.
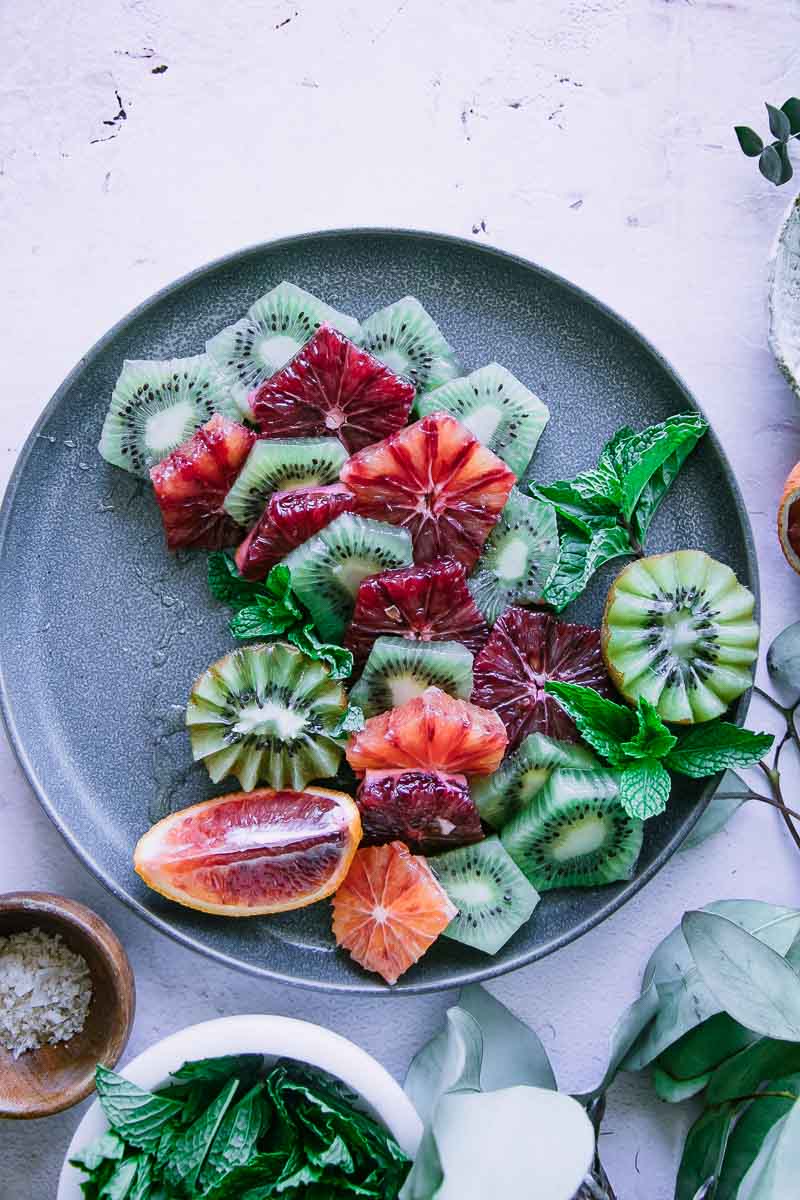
480, 973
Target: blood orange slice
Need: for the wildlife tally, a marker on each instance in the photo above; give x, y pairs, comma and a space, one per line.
192, 482
427, 810
789, 519
252, 853
333, 388
390, 910
438, 480
290, 518
431, 732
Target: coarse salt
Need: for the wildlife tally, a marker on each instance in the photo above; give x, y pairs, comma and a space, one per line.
45, 991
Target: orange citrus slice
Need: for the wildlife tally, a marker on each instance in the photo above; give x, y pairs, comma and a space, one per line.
789, 519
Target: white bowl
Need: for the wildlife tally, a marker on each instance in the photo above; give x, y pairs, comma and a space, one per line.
274, 1037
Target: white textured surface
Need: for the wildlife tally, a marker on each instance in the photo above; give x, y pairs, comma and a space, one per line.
593, 136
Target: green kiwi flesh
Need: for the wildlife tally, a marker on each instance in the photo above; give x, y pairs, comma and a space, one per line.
678, 629
267, 714
406, 338
278, 465
327, 569
399, 669
518, 558
156, 406
574, 833
523, 774
272, 331
499, 410
491, 894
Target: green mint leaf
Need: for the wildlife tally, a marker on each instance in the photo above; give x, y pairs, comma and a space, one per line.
118, 1186
220, 1069
190, 1149
254, 1178
602, 723
279, 584
135, 1114
644, 788
779, 124
656, 489
652, 738
235, 1142
749, 141
256, 621
792, 109
107, 1146
352, 722
579, 502
143, 1183
227, 585
306, 638
638, 456
715, 746
579, 557
770, 165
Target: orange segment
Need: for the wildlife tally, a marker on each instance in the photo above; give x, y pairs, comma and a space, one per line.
390, 910
432, 732
789, 519
252, 853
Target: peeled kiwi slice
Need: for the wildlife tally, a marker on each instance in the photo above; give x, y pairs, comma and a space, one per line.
499, 410
678, 629
574, 833
491, 894
327, 569
266, 714
523, 774
518, 557
399, 669
156, 406
271, 333
405, 337
278, 465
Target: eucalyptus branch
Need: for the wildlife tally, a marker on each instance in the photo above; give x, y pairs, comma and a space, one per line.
773, 159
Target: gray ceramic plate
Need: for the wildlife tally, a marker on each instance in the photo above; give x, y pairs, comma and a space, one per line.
103, 631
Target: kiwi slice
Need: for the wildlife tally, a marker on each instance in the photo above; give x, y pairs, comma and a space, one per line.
574, 833
399, 669
405, 337
518, 557
491, 894
267, 714
499, 410
327, 569
523, 774
678, 629
157, 406
279, 465
273, 330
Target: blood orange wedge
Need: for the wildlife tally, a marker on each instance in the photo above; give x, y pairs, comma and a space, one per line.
333, 388
438, 480
192, 482
289, 519
390, 910
789, 519
431, 732
252, 853
428, 602
526, 650
427, 810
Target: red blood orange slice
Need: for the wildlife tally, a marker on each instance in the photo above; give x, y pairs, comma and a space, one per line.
290, 518
390, 910
789, 519
427, 810
436, 479
431, 732
333, 388
252, 853
192, 482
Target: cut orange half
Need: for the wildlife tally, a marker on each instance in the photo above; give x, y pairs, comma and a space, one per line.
252, 853
789, 519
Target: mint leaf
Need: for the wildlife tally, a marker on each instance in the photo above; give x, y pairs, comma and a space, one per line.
715, 746
652, 738
118, 1186
638, 456
644, 788
579, 557
352, 722
656, 489
143, 1183
260, 621
279, 584
136, 1115
226, 584
235, 1142
190, 1149
108, 1146
220, 1069
339, 660
602, 723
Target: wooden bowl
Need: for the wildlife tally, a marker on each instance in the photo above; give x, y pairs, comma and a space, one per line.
52, 1078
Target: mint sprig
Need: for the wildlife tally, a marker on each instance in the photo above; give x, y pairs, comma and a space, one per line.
643, 749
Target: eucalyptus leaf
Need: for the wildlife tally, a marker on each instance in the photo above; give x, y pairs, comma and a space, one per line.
725, 803
792, 109
451, 1059
750, 1132
512, 1051
704, 1151
742, 1074
783, 664
675, 1091
749, 980
775, 1172
623, 1036
770, 165
749, 141
703, 1049
779, 124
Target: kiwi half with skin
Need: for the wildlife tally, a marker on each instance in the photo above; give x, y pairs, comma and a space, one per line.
406, 338
279, 465
499, 410
491, 894
327, 569
273, 330
398, 669
575, 832
267, 714
518, 557
157, 406
678, 629
523, 774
